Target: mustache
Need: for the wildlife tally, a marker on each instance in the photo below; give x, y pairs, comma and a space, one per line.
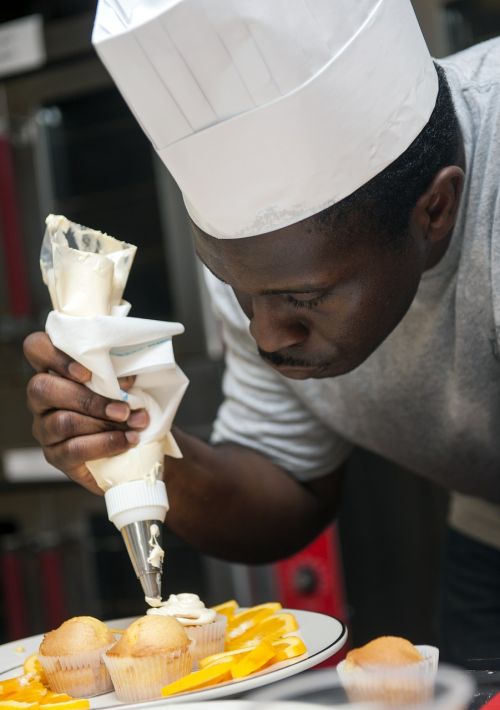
279, 359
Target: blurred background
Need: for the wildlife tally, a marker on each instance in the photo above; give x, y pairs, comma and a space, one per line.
69, 145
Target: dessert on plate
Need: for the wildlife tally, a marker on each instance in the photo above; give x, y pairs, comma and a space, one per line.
389, 669
71, 657
152, 652
205, 627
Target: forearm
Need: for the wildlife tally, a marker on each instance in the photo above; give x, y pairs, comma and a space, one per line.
233, 502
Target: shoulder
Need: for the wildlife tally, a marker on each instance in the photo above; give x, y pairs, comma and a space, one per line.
474, 79
476, 67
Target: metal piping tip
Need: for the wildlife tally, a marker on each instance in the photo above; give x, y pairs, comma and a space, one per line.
138, 541
151, 584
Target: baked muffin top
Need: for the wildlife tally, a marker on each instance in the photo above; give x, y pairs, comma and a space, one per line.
76, 635
150, 635
384, 651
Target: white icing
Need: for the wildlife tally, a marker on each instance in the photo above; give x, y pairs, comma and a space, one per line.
156, 554
188, 609
84, 269
142, 461
153, 601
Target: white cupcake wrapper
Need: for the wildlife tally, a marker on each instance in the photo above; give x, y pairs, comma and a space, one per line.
207, 639
136, 678
393, 685
78, 674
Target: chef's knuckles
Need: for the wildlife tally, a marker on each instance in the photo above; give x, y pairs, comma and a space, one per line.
43, 356
46, 392
75, 452
55, 427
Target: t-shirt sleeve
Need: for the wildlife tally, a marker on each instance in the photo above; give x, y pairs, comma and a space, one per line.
260, 409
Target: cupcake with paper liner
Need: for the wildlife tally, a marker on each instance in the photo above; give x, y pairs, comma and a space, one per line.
152, 652
71, 657
205, 628
390, 670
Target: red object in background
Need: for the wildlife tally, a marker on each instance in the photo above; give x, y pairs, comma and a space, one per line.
54, 601
16, 623
493, 703
313, 580
15, 271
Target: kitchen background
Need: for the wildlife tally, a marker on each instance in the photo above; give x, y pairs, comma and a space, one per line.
63, 127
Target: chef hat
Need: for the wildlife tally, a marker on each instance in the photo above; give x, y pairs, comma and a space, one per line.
269, 111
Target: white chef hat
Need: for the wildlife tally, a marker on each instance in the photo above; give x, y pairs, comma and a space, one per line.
268, 111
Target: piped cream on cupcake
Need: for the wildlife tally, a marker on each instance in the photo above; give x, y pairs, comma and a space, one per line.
71, 657
204, 627
151, 653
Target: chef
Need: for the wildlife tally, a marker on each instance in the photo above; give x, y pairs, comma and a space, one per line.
343, 191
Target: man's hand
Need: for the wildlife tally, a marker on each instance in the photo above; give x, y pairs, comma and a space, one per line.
72, 423
227, 500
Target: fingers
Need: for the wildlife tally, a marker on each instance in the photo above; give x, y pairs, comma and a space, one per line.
69, 440
83, 477
71, 454
72, 423
58, 425
139, 419
44, 357
47, 392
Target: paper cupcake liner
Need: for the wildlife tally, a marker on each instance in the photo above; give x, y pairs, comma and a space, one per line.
78, 674
393, 685
141, 678
207, 639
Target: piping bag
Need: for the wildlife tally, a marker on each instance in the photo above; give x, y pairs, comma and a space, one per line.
86, 272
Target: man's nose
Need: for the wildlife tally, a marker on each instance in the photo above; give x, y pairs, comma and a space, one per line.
273, 326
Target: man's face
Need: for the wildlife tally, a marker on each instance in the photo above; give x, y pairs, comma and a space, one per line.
319, 303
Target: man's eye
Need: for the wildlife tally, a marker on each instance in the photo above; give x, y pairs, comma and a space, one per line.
306, 302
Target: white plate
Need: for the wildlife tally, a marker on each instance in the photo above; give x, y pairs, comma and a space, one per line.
323, 636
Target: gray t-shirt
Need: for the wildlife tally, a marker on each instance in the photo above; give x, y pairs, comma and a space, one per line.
429, 397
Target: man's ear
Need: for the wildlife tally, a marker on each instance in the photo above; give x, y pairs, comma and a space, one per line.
436, 210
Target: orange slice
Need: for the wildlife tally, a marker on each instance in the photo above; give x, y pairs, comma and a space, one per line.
53, 697
28, 696
224, 656
12, 685
269, 629
254, 615
254, 660
31, 689
226, 608
217, 673
73, 704
289, 647
33, 668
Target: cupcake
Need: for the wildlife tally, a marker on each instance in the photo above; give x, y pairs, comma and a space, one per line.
151, 653
205, 628
71, 657
391, 670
